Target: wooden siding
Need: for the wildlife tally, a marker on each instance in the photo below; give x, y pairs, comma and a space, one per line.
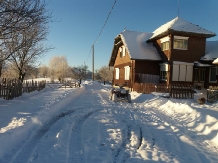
146, 78
120, 63
196, 49
164, 54
147, 67
122, 60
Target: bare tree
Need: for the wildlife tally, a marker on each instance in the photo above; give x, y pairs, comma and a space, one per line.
80, 72
105, 74
9, 72
33, 49
59, 68
16, 18
43, 71
97, 76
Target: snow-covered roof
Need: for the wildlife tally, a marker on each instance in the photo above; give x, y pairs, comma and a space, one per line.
138, 48
211, 51
180, 25
198, 64
215, 61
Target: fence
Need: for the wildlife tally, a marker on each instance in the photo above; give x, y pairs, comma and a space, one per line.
180, 91
212, 94
30, 86
12, 88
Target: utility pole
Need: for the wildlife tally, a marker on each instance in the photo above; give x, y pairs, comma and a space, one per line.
93, 62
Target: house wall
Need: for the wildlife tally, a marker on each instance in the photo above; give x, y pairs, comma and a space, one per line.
125, 60
196, 49
164, 54
147, 67
120, 63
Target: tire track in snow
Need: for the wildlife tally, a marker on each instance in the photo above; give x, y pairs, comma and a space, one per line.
181, 127
145, 138
28, 152
24, 153
132, 137
75, 151
173, 143
142, 137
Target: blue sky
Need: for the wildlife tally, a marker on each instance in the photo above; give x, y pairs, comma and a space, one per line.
78, 23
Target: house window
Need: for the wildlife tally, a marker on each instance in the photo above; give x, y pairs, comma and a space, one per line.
213, 72
180, 43
127, 72
163, 75
117, 73
182, 71
196, 78
199, 75
202, 74
163, 71
165, 43
122, 51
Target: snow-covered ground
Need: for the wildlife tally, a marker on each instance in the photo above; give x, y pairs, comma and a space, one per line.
81, 125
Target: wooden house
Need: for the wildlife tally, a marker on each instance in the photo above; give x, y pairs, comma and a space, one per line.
176, 52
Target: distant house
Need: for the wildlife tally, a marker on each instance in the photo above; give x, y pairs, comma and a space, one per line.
176, 52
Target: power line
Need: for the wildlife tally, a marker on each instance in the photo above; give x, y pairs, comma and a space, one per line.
88, 55
105, 21
102, 28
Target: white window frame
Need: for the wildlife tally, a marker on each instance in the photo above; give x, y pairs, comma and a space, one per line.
117, 73
165, 43
127, 72
182, 71
183, 40
175, 75
164, 70
189, 73
122, 51
212, 81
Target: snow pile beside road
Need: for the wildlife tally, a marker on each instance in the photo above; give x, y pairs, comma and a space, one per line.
82, 125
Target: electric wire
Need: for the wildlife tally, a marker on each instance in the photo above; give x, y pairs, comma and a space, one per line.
105, 22
102, 29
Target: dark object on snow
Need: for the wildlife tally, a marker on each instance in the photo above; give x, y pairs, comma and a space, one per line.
119, 93
201, 100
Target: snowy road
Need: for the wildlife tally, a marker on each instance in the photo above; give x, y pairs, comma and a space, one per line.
92, 129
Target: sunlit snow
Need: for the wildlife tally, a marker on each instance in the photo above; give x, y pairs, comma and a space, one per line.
82, 125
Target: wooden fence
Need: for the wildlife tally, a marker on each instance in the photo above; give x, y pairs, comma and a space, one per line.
212, 94
30, 86
12, 88
180, 91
